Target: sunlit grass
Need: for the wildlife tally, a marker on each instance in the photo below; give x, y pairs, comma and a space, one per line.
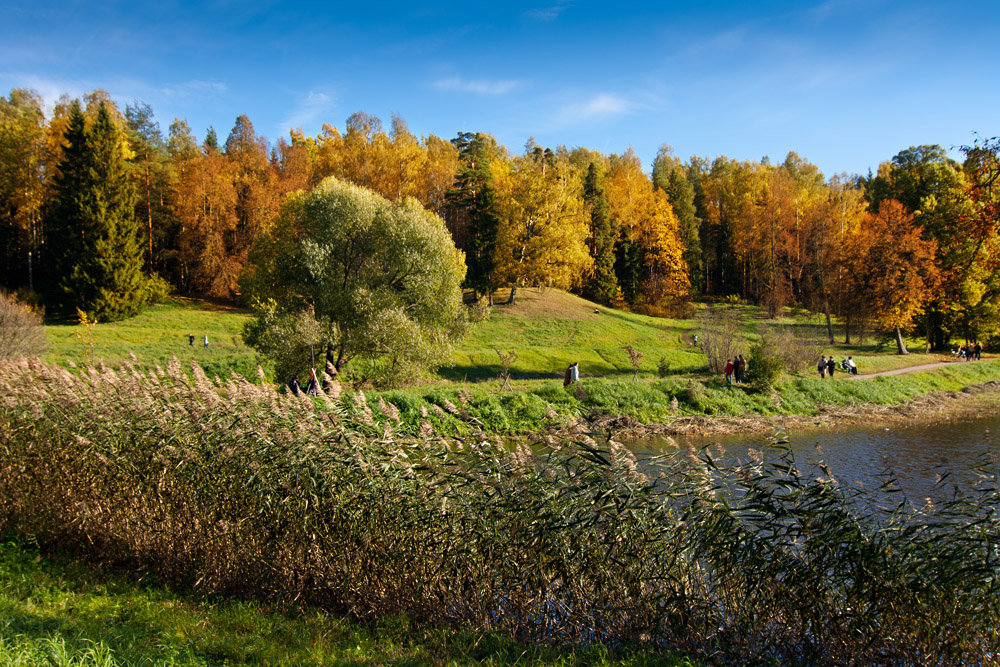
548, 329
160, 333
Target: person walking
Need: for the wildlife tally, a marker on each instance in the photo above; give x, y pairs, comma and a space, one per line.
191, 339
729, 371
206, 340
741, 369
831, 365
978, 351
821, 366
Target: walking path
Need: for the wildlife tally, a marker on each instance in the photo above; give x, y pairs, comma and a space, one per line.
909, 369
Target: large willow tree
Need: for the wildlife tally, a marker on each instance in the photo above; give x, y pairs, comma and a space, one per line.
347, 274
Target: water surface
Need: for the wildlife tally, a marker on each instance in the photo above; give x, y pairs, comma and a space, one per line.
916, 453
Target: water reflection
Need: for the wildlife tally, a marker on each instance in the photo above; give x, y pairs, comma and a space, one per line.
916, 453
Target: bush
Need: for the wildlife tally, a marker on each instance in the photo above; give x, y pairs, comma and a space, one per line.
662, 367
764, 367
721, 338
797, 352
693, 394
21, 330
241, 490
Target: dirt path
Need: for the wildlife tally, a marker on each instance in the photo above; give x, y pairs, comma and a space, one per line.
908, 369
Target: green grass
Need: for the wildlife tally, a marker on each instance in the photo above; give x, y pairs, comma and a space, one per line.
648, 400
551, 329
55, 611
160, 333
548, 329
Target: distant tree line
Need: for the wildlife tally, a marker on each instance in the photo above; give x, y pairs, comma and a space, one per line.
100, 211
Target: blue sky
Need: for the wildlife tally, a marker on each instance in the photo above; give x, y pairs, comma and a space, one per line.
845, 83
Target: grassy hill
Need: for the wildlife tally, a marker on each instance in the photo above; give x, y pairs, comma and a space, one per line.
158, 334
549, 329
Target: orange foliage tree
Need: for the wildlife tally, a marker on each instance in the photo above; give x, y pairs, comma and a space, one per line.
890, 269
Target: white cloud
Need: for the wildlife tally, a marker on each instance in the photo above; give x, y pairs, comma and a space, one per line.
598, 106
309, 110
550, 13
50, 89
477, 86
195, 88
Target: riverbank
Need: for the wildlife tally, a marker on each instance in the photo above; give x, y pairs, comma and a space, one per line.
970, 402
679, 406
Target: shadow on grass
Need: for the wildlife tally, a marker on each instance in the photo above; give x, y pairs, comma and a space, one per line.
53, 605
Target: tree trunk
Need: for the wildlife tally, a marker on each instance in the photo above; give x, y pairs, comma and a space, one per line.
847, 329
513, 296
489, 294
331, 359
900, 345
829, 324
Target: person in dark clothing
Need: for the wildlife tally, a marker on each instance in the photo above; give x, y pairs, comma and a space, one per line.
741, 369
831, 366
293, 384
191, 339
979, 351
311, 387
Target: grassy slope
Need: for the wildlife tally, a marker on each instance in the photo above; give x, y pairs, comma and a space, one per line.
548, 329
160, 333
54, 611
551, 329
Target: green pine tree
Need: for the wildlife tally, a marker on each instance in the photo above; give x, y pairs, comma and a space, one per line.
471, 206
602, 285
66, 225
96, 259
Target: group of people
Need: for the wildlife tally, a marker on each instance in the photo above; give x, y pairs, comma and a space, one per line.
736, 369
970, 352
311, 386
191, 340
826, 366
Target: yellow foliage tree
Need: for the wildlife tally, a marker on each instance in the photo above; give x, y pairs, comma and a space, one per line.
647, 219
543, 230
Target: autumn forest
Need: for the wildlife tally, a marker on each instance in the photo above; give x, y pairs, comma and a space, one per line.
913, 247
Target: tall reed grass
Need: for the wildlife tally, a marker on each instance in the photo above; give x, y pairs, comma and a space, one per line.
229, 487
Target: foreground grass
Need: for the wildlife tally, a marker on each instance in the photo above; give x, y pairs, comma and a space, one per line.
56, 611
244, 492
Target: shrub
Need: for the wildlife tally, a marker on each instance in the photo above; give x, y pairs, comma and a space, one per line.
21, 330
241, 490
693, 394
662, 367
796, 351
721, 338
764, 367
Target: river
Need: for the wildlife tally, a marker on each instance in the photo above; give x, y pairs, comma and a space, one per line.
917, 453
